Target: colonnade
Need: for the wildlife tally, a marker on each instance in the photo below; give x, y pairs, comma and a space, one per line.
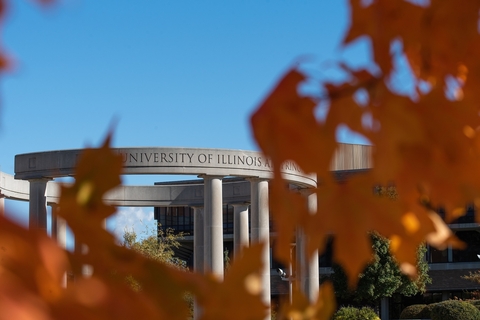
212, 165
34, 170
208, 230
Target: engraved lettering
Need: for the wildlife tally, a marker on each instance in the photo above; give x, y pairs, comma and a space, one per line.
163, 157
267, 163
202, 158
242, 160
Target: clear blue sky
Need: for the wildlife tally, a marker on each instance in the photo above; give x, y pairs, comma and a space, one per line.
179, 73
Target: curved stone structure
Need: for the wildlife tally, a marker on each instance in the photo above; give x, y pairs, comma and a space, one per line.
206, 197
182, 161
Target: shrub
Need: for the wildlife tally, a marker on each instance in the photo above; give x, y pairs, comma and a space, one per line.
352, 313
426, 313
412, 312
475, 303
454, 310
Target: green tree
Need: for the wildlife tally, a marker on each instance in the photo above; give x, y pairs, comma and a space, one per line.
382, 277
158, 247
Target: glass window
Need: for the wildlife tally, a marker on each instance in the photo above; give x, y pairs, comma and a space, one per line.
472, 239
436, 256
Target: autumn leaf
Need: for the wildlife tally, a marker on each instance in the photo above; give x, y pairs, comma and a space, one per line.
384, 21
32, 268
301, 309
275, 126
98, 171
286, 203
81, 205
426, 145
349, 211
238, 297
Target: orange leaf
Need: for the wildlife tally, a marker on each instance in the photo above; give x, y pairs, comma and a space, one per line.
276, 127
322, 309
238, 297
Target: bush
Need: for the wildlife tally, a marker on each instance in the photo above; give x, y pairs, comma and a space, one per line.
426, 313
475, 303
454, 310
352, 313
413, 312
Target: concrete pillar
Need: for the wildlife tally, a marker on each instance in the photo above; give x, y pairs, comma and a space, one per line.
213, 227
384, 309
198, 239
87, 270
260, 231
198, 251
300, 265
38, 204
58, 227
59, 233
2, 204
309, 276
240, 228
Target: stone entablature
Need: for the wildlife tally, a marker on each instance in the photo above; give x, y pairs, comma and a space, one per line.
181, 161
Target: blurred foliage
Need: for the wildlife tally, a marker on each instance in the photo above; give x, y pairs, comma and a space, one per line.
426, 144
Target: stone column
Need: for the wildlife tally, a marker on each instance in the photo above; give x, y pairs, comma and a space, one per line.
449, 253
2, 204
198, 251
213, 228
59, 233
384, 309
309, 275
299, 271
59, 229
240, 228
198, 239
87, 270
260, 231
38, 204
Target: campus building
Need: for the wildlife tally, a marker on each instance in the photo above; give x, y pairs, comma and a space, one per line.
447, 267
